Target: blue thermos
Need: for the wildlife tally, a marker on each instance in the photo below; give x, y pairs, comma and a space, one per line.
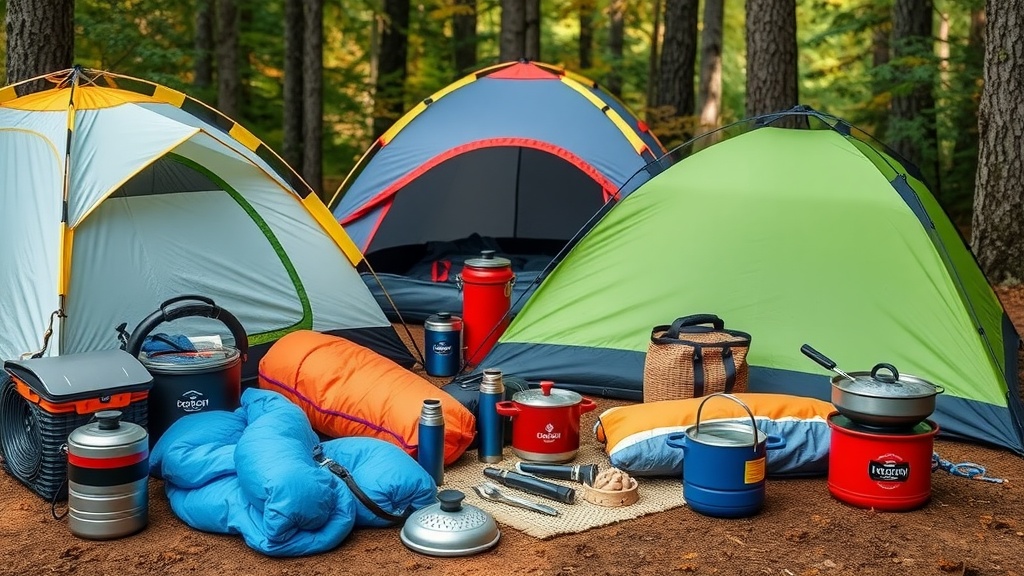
430, 453
490, 428
442, 338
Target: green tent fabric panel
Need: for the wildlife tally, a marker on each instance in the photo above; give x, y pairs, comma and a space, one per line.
982, 298
977, 292
732, 229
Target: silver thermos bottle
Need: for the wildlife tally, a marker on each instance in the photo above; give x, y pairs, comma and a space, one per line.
490, 425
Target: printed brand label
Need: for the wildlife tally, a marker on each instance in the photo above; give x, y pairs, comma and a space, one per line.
192, 401
442, 348
753, 471
549, 435
889, 471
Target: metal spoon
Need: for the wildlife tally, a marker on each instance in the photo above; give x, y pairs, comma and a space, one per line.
489, 491
824, 361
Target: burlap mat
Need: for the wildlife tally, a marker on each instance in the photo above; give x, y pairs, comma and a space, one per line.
656, 495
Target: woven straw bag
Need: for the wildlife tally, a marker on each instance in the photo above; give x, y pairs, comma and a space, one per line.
689, 359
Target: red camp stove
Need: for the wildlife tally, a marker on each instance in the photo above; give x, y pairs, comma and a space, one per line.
882, 468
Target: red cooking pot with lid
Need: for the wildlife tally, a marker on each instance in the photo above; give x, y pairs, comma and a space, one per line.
546, 422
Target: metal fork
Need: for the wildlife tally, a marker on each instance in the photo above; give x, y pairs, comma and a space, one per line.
490, 491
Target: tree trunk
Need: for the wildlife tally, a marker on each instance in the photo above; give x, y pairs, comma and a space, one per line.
532, 34
586, 54
913, 110
313, 94
228, 72
965, 118
997, 228
464, 36
203, 44
616, 41
40, 39
294, 26
512, 41
389, 102
678, 56
771, 56
709, 102
653, 57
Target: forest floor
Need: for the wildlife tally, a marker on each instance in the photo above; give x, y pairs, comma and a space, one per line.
970, 527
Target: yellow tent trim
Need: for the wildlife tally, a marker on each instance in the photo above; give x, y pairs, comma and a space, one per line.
172, 97
622, 125
238, 132
86, 98
7, 93
67, 240
330, 225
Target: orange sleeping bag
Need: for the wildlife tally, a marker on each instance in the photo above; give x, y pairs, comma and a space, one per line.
348, 390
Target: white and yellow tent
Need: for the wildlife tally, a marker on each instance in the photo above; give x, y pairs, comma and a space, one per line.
119, 194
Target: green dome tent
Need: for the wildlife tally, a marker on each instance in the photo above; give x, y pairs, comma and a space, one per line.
809, 233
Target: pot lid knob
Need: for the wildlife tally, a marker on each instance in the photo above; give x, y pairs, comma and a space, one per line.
451, 500
546, 386
891, 378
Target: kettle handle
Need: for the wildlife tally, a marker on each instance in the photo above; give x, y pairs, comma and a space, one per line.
206, 308
753, 421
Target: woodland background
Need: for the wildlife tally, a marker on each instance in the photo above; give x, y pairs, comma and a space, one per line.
318, 80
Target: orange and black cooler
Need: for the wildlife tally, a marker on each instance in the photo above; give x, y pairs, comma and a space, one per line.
486, 284
46, 399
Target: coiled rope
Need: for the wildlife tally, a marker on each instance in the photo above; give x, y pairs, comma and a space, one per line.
963, 469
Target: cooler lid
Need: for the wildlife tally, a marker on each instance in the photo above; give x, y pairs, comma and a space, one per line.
79, 376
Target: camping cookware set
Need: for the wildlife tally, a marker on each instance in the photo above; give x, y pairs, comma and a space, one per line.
880, 451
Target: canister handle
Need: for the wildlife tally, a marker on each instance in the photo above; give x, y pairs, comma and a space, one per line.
206, 308
753, 422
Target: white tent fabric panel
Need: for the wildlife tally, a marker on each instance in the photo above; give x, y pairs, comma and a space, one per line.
111, 144
133, 253
30, 185
53, 126
337, 294
214, 144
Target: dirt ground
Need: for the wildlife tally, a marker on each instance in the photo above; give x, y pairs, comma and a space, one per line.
970, 527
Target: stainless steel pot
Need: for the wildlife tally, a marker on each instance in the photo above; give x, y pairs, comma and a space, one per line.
884, 397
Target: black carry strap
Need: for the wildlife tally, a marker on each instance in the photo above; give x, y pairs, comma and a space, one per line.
346, 477
693, 320
698, 372
730, 368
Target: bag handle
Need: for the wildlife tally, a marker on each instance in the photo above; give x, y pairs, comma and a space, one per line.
693, 320
206, 308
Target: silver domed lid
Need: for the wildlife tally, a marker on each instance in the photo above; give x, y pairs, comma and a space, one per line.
450, 528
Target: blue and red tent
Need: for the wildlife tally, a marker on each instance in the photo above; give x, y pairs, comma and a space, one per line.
516, 157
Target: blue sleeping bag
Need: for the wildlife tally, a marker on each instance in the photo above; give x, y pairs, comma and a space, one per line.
252, 472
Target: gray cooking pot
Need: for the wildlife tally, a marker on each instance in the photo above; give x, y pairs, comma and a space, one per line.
884, 397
